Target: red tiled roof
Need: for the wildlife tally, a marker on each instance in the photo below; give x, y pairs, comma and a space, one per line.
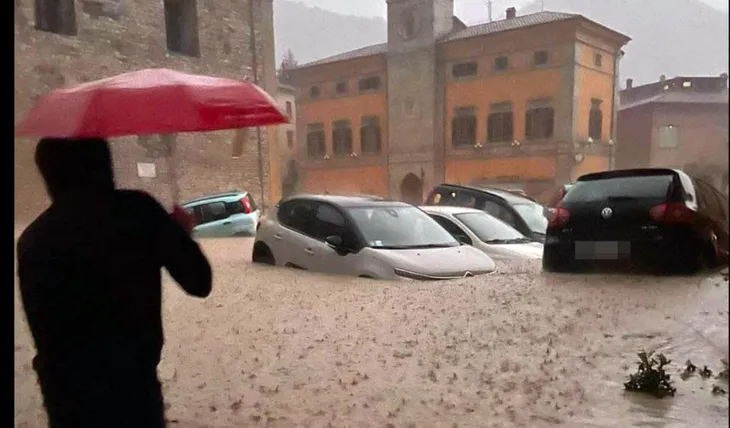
473, 31
681, 97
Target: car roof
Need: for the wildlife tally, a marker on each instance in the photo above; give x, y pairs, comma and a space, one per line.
346, 201
208, 198
448, 209
637, 172
506, 195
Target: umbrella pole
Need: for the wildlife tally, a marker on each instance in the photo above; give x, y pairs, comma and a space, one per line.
170, 142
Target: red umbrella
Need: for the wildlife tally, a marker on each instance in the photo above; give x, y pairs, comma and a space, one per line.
150, 101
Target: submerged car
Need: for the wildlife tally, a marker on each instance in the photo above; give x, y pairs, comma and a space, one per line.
223, 215
365, 237
496, 238
654, 217
522, 213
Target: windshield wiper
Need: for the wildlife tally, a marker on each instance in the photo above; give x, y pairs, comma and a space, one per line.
508, 241
620, 199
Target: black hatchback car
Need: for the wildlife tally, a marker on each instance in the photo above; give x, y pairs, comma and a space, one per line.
653, 217
520, 212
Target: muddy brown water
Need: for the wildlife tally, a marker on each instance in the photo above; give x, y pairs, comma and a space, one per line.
281, 348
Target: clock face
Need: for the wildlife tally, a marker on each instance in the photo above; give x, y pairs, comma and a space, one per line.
408, 25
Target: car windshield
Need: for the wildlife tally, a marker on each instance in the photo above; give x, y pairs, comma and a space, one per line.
490, 229
400, 228
633, 187
533, 215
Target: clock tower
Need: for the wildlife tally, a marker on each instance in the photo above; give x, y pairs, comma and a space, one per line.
415, 95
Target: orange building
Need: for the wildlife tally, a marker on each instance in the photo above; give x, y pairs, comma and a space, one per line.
528, 102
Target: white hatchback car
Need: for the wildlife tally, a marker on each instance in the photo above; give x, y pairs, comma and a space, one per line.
363, 236
496, 238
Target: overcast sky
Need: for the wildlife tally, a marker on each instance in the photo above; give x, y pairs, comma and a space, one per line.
470, 11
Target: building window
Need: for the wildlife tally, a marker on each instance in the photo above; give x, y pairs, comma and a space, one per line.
239, 141
316, 147
56, 16
464, 127
501, 63
499, 123
314, 92
341, 138
598, 60
464, 69
181, 26
668, 136
290, 139
289, 109
369, 84
540, 58
370, 135
539, 119
341, 87
595, 120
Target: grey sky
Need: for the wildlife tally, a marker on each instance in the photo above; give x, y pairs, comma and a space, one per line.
470, 11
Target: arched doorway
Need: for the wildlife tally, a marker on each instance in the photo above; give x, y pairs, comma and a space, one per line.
411, 189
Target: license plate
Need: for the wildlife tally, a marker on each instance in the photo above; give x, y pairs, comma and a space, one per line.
602, 250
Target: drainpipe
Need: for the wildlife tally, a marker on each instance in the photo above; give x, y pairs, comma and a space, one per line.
255, 65
614, 112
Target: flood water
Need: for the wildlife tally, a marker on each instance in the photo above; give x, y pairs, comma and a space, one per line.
282, 348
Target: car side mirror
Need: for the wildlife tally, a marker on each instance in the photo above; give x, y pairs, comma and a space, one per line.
334, 241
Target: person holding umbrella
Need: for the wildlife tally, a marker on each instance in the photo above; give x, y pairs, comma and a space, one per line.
90, 265
90, 282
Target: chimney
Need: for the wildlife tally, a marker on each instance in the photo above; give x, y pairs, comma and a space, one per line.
511, 12
629, 83
662, 78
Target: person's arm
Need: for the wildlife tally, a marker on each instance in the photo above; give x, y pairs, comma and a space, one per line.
180, 254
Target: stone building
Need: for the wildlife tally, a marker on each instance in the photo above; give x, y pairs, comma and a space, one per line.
678, 123
525, 102
64, 42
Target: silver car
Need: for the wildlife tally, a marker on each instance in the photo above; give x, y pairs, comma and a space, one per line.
496, 238
365, 237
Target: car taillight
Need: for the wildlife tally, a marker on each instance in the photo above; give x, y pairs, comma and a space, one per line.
671, 213
246, 205
558, 217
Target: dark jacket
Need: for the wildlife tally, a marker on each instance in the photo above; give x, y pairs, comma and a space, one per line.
90, 270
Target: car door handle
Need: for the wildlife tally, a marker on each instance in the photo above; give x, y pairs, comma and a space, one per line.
226, 223
277, 236
309, 251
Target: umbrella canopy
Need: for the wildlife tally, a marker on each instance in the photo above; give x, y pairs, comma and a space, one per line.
150, 101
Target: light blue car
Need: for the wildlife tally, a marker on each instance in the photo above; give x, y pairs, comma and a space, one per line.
227, 214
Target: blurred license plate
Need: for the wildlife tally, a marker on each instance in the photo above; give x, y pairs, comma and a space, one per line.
602, 250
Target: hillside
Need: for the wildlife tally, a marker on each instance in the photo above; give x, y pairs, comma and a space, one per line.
312, 33
671, 37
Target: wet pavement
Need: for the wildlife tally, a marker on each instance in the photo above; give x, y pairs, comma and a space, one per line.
282, 348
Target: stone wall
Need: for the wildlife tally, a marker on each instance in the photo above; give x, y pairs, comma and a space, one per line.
115, 36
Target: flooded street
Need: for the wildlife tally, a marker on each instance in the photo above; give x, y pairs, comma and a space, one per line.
283, 348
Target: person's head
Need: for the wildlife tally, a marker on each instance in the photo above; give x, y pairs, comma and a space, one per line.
75, 165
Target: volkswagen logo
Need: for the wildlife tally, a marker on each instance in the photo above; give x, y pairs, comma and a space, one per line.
606, 213
468, 274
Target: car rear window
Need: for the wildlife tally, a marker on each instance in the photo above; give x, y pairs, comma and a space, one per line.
638, 187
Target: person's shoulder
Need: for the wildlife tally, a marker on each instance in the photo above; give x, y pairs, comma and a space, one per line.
36, 231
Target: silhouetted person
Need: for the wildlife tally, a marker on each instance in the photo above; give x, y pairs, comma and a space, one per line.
90, 281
